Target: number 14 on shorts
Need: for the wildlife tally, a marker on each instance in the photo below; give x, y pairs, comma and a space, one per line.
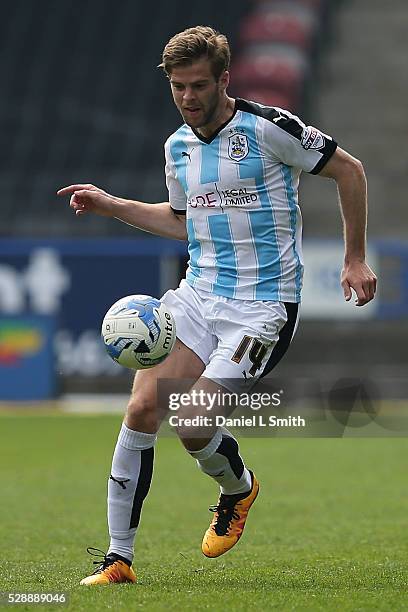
256, 353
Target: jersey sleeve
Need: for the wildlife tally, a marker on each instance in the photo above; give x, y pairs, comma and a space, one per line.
288, 139
177, 196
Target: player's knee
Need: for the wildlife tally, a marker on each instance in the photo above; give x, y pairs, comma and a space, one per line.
141, 413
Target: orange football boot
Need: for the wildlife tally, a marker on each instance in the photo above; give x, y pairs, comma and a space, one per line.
229, 521
112, 568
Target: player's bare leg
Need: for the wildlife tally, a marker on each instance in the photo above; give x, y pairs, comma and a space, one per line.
217, 454
132, 463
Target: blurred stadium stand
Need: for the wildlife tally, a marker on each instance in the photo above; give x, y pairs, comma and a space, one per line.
86, 103
279, 51
361, 102
84, 99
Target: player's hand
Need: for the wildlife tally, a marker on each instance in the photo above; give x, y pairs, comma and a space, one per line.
88, 198
357, 275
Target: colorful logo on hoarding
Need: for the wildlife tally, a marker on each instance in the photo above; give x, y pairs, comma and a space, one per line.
18, 340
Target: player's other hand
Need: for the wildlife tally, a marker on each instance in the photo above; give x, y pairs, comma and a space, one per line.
357, 275
88, 198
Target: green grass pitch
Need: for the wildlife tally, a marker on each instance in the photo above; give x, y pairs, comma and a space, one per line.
328, 531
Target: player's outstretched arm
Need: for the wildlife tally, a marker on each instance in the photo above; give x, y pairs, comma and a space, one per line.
349, 175
154, 218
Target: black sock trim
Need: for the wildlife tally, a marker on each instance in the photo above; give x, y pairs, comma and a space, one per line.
229, 449
143, 485
117, 557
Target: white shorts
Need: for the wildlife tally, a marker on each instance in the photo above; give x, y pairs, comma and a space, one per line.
238, 341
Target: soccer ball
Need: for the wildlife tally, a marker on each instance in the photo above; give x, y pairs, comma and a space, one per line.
138, 332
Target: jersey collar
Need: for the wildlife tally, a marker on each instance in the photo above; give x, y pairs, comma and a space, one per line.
209, 139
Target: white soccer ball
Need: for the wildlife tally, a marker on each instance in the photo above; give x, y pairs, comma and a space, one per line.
138, 332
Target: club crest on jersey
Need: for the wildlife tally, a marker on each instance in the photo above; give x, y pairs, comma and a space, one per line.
238, 147
312, 138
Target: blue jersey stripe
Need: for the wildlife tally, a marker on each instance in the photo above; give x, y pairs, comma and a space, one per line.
262, 220
210, 157
225, 258
267, 253
194, 250
291, 197
251, 166
177, 147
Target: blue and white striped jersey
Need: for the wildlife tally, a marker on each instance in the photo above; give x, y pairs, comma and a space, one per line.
239, 190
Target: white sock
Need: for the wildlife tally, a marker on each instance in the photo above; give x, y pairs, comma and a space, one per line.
128, 485
221, 460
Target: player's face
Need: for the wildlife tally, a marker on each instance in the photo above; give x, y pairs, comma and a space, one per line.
197, 94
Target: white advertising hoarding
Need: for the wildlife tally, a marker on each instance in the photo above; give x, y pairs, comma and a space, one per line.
322, 296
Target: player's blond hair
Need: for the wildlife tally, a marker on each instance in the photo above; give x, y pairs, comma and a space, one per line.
192, 44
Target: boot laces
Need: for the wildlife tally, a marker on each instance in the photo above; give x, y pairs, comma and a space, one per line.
226, 513
104, 560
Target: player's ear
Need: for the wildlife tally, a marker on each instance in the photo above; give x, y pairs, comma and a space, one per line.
224, 79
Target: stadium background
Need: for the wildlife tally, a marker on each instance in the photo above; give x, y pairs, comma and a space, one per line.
83, 101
